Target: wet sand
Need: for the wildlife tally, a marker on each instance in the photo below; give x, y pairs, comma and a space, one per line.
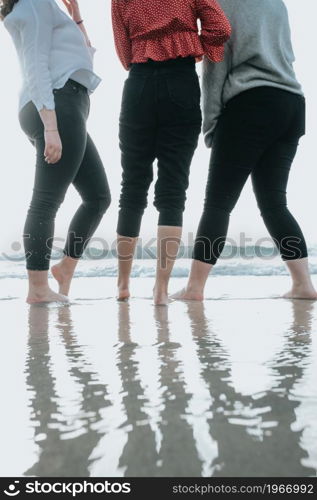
97, 388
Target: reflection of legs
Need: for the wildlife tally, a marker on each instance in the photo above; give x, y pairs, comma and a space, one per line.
138, 154
175, 149
270, 178
92, 185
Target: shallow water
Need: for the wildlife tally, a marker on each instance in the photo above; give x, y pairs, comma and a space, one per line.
146, 268
98, 388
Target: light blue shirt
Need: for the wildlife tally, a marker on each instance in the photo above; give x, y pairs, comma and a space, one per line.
51, 49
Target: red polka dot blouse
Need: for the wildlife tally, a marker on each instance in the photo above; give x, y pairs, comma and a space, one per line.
167, 29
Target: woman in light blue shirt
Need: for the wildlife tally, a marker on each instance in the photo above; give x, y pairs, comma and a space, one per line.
56, 61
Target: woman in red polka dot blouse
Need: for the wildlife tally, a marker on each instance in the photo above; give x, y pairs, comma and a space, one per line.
158, 41
166, 29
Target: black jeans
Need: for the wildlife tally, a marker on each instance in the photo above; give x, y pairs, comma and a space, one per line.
160, 119
80, 165
257, 134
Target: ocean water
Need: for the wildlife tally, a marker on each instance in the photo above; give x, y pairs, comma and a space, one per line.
247, 262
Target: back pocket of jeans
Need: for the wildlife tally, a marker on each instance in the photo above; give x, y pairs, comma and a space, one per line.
132, 93
184, 90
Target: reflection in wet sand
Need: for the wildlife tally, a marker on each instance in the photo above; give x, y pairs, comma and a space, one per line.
269, 444
140, 445
152, 392
177, 448
63, 423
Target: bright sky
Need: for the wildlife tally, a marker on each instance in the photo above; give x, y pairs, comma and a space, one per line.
17, 155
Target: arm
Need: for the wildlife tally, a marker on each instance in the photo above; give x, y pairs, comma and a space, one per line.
215, 28
121, 36
74, 11
36, 31
214, 79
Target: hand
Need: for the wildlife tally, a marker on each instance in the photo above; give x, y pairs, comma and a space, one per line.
73, 9
53, 147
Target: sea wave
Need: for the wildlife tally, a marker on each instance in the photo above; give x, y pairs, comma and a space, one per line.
147, 268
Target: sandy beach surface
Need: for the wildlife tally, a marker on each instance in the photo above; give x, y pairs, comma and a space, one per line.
98, 388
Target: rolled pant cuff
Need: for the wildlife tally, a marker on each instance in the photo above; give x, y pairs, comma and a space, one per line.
205, 252
170, 217
202, 258
67, 253
37, 268
296, 256
129, 222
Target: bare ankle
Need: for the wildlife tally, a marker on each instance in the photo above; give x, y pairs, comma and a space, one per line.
39, 291
123, 284
67, 265
161, 287
38, 288
303, 284
160, 296
194, 287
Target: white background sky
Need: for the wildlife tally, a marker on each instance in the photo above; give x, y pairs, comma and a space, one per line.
17, 155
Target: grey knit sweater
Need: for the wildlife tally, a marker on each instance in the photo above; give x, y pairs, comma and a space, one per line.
259, 53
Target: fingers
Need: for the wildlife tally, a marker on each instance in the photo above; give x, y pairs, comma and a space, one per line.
52, 154
68, 5
54, 158
53, 146
74, 4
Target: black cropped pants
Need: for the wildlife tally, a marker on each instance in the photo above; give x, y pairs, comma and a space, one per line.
160, 120
257, 134
80, 165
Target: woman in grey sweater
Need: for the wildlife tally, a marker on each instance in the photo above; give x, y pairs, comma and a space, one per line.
57, 68
254, 116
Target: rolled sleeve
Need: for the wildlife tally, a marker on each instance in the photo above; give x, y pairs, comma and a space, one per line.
215, 28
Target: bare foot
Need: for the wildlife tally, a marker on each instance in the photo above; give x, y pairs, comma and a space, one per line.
123, 294
62, 277
160, 297
301, 292
45, 296
186, 294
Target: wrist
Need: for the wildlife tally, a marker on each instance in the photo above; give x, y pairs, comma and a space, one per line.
77, 16
49, 119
